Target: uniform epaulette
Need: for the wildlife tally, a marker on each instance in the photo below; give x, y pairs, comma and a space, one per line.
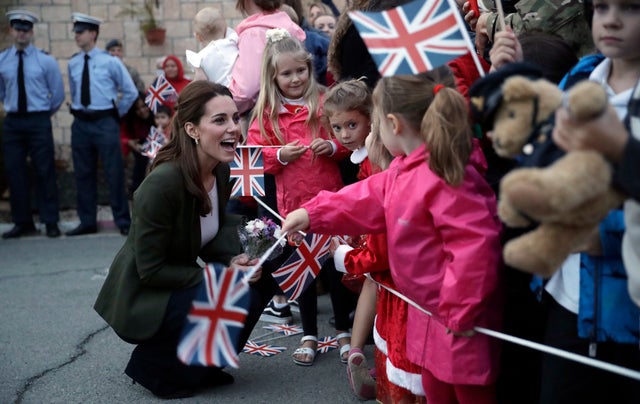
43, 51
74, 55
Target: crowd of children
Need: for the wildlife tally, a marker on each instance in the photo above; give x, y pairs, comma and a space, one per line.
423, 215
588, 308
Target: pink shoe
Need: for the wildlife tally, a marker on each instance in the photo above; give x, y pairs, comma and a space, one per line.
362, 384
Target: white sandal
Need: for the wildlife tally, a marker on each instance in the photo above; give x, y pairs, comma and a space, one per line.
344, 348
303, 350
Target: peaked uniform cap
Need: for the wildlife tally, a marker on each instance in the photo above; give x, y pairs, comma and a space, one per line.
22, 19
112, 43
486, 93
82, 22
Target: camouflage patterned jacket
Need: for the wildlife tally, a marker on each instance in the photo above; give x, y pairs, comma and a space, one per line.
563, 18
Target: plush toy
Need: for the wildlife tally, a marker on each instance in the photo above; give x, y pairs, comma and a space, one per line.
566, 199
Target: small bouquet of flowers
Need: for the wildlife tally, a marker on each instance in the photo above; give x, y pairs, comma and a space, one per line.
258, 235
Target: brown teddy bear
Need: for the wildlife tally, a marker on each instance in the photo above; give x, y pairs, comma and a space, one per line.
568, 198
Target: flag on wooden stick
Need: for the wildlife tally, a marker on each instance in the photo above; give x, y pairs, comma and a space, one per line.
302, 267
413, 38
216, 318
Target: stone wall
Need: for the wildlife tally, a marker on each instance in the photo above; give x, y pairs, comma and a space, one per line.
53, 34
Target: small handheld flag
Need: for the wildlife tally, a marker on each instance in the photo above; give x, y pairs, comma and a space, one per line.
326, 344
247, 170
159, 92
286, 329
413, 38
253, 348
217, 316
302, 267
154, 141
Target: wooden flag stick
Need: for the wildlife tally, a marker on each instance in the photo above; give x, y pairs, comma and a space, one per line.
500, 13
273, 212
268, 208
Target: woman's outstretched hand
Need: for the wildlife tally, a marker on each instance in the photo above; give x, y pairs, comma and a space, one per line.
243, 263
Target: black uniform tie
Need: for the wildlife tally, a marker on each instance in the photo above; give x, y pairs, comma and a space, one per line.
85, 92
22, 92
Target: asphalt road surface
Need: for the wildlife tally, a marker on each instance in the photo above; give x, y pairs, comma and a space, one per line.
55, 349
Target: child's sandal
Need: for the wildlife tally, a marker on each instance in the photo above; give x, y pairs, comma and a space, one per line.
344, 348
303, 350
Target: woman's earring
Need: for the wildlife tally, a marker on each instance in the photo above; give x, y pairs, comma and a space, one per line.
196, 139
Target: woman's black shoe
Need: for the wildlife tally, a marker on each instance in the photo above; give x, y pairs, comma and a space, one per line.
217, 377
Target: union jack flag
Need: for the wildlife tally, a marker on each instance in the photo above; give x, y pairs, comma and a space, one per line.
253, 348
326, 344
413, 38
216, 318
286, 329
154, 141
159, 92
302, 267
247, 169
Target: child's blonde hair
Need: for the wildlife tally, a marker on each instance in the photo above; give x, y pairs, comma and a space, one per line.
431, 106
350, 95
378, 154
270, 98
209, 24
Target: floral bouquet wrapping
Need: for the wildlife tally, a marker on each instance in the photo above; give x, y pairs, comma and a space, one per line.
258, 235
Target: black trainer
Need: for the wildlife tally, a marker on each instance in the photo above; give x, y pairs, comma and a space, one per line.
271, 314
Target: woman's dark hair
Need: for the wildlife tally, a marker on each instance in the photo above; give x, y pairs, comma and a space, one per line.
164, 109
265, 5
135, 125
181, 149
296, 5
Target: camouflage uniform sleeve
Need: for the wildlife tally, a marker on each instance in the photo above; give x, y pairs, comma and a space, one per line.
562, 18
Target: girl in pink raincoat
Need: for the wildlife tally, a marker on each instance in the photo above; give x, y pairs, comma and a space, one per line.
442, 229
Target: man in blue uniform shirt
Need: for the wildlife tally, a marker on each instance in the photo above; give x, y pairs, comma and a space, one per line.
31, 89
96, 79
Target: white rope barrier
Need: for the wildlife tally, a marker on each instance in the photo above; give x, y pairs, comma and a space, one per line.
633, 374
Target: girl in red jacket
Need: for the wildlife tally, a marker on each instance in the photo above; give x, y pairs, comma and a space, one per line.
287, 114
442, 233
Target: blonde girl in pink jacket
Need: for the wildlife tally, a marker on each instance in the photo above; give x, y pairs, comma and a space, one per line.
305, 162
442, 229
